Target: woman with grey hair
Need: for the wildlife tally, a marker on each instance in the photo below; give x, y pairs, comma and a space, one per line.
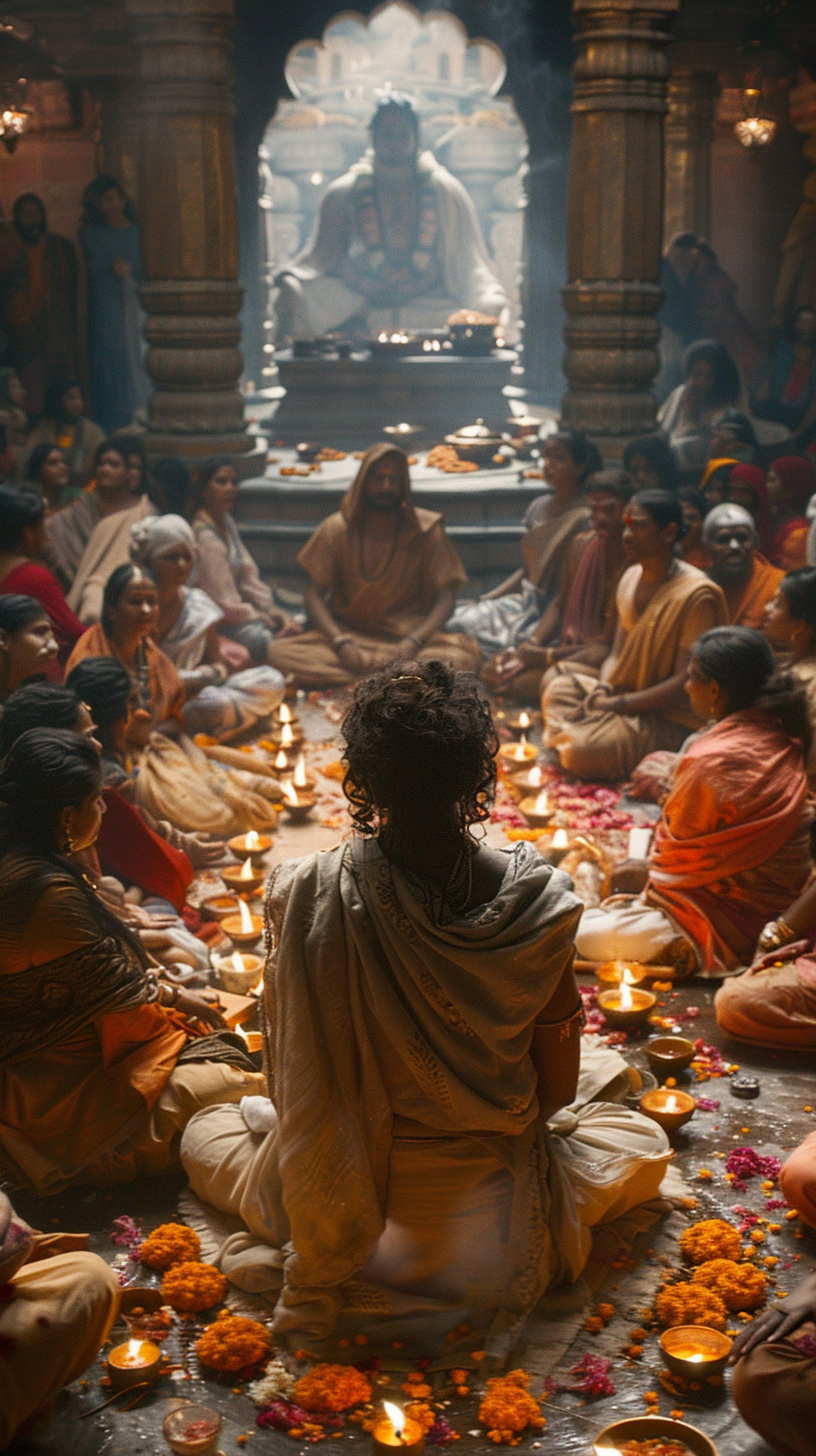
748, 582
220, 700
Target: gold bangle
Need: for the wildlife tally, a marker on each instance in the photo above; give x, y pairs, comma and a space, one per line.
575, 1015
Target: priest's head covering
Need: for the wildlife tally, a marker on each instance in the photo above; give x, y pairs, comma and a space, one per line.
353, 504
728, 514
156, 535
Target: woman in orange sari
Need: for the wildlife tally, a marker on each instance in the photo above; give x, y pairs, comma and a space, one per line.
100, 1067
733, 839
130, 609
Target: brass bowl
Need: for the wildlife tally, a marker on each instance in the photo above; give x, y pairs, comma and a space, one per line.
652, 1428
668, 1055
711, 1343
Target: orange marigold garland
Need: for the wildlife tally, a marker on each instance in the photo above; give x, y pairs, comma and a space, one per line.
508, 1409
192, 1287
741, 1287
711, 1238
690, 1304
232, 1342
332, 1388
169, 1244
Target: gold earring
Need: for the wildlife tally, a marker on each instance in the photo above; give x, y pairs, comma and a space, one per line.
68, 847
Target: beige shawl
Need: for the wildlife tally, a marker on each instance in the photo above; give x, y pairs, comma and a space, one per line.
108, 547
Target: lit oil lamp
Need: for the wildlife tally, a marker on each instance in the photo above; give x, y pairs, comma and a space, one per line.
694, 1352
243, 929
252, 843
301, 778
239, 972
527, 783
616, 973
192, 1429
554, 848
521, 725
136, 1362
627, 1007
668, 1055
253, 1039
538, 811
281, 761
395, 1431
514, 756
297, 803
669, 1108
220, 906
244, 878
290, 735
285, 714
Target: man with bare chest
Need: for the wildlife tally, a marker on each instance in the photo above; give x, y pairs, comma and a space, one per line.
382, 582
396, 228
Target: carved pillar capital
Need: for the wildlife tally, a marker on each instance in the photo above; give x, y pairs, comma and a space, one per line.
189, 225
615, 215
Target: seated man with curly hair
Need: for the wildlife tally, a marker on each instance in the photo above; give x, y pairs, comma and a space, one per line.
424, 1036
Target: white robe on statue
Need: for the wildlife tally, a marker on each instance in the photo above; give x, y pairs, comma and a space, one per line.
401, 1172
460, 274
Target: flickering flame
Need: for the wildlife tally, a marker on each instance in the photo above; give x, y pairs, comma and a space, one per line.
246, 919
627, 978
290, 792
246, 870
284, 713
258, 990
542, 803
134, 1350
671, 1105
251, 840
241, 1032
696, 1359
535, 777
281, 761
395, 1416
524, 720
626, 1002
560, 840
238, 962
287, 736
519, 753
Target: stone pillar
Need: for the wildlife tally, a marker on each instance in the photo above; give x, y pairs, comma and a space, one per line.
187, 211
615, 217
689, 124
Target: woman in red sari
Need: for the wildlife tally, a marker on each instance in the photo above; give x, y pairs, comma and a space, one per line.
22, 534
791, 483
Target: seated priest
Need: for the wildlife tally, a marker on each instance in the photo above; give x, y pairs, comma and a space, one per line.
425, 1029
382, 583
774, 1383
733, 838
602, 724
790, 627
396, 234
57, 1306
746, 579
580, 623
774, 1002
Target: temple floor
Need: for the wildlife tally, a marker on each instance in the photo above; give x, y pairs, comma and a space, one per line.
555, 1338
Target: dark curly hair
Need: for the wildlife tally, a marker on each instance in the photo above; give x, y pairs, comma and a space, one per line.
419, 737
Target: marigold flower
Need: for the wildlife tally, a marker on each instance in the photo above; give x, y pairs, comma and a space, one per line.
421, 1412
508, 1409
169, 1244
740, 1286
192, 1287
232, 1342
332, 1388
711, 1238
690, 1304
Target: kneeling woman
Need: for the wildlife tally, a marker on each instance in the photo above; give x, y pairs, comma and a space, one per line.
732, 842
425, 1033
98, 1073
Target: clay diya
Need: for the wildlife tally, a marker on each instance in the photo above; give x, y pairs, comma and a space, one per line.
652, 1428
521, 723
668, 1055
694, 1352
243, 929
301, 778
669, 1108
252, 843
395, 1431
219, 907
617, 973
136, 1362
527, 783
514, 756
537, 811
627, 1007
287, 737
239, 972
244, 878
554, 847
297, 803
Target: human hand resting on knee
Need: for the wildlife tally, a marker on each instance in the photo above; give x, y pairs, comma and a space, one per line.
778, 1320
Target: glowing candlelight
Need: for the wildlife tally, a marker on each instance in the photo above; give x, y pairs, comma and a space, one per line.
258, 989
560, 840
247, 872
287, 737
626, 1007
670, 1109
542, 802
246, 919
248, 877
395, 1415
238, 960
243, 928
134, 1363
395, 1429
535, 777
281, 761
300, 773
524, 721
625, 1001
289, 792
284, 713
695, 1345
519, 754
252, 839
